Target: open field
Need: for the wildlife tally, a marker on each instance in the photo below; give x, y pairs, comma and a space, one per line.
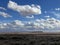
30, 38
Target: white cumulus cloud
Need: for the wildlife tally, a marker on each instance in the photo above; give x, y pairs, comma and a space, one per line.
4, 14
49, 25
25, 9
30, 16
2, 8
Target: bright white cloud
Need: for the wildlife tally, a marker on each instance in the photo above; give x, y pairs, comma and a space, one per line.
38, 24
12, 25
30, 16
25, 9
4, 14
19, 23
2, 8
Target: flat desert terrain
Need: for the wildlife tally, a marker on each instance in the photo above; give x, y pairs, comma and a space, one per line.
30, 38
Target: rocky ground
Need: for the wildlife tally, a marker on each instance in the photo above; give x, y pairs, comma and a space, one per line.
30, 39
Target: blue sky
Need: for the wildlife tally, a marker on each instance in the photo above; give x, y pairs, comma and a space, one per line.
46, 5
4, 3
32, 15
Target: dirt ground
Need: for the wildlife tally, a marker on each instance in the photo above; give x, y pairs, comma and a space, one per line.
30, 39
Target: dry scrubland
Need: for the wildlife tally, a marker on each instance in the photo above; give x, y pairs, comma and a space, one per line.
30, 39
